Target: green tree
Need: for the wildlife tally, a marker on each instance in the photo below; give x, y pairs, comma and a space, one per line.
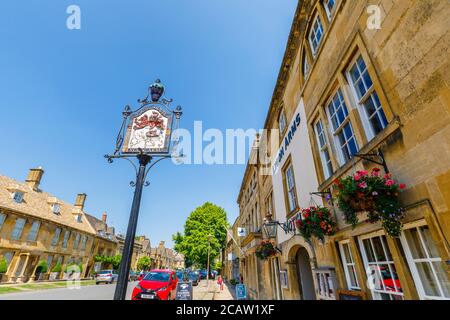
205, 220
57, 267
144, 263
114, 261
3, 265
43, 265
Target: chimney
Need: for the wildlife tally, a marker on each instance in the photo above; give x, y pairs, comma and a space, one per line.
34, 177
79, 202
104, 217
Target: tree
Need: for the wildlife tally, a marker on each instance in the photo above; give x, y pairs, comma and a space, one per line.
43, 266
3, 265
57, 267
114, 261
205, 220
144, 263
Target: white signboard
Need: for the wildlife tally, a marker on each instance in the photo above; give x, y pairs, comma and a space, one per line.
149, 130
241, 232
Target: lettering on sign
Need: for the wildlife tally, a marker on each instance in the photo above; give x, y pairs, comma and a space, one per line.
286, 142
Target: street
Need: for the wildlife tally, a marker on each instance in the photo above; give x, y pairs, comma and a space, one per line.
91, 292
106, 292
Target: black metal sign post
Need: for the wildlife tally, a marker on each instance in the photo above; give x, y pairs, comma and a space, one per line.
124, 269
147, 136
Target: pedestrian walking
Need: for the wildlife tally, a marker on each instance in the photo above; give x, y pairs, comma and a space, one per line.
220, 282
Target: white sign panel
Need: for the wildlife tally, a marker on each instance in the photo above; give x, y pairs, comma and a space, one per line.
297, 145
149, 130
241, 232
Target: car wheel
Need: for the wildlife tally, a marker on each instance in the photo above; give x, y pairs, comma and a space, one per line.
96, 283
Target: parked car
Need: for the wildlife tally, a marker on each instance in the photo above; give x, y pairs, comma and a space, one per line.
156, 285
133, 276
193, 277
106, 276
203, 274
141, 275
182, 275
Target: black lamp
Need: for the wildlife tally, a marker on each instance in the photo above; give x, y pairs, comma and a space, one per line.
270, 227
156, 90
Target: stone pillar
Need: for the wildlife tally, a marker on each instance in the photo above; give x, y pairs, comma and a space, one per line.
25, 264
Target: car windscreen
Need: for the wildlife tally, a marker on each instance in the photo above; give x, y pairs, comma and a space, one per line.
104, 272
157, 276
193, 276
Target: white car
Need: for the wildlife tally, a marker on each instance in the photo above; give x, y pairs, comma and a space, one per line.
106, 276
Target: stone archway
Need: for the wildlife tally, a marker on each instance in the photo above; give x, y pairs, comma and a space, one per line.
300, 258
304, 274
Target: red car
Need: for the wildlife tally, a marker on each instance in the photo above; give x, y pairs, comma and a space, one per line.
156, 285
141, 276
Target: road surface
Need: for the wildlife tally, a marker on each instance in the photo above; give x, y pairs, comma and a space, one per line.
94, 292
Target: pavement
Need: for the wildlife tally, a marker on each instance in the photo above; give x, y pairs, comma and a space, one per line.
228, 292
203, 291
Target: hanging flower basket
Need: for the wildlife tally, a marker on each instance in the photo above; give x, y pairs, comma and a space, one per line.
265, 250
317, 222
376, 195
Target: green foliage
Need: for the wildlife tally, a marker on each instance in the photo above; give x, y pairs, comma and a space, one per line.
73, 267
376, 195
44, 266
144, 263
205, 220
3, 265
114, 261
217, 266
57, 267
316, 221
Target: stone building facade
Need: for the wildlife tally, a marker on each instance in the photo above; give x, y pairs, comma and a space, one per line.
105, 242
359, 88
36, 226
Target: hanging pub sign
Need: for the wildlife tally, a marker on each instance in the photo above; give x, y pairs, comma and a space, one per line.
149, 130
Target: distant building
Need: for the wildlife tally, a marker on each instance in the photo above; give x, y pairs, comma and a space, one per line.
105, 243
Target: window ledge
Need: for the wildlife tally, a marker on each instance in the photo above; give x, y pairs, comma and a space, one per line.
390, 129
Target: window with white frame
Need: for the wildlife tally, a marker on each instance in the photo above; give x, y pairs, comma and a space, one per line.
2, 219
374, 118
83, 242
315, 35
323, 149
382, 276
329, 7
342, 128
66, 238
18, 228
49, 261
428, 269
349, 265
56, 235
326, 284
269, 205
282, 122
33, 233
18, 196
290, 188
56, 208
306, 67
76, 242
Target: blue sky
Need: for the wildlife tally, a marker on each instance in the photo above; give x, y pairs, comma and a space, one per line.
62, 93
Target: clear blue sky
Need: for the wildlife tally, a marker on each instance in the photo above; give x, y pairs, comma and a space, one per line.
62, 92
